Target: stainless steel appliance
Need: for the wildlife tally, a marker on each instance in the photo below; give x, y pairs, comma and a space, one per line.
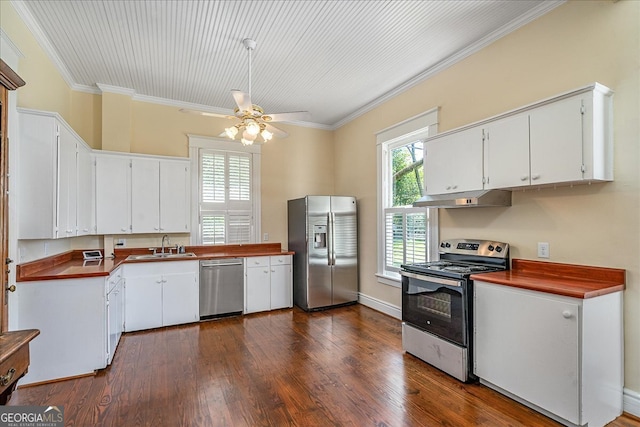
437, 305
221, 287
323, 233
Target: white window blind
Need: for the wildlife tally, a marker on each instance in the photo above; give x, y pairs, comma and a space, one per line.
225, 198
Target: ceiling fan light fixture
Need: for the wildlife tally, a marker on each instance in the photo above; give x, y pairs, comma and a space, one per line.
231, 132
252, 127
266, 135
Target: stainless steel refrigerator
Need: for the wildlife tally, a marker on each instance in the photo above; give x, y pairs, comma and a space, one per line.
323, 233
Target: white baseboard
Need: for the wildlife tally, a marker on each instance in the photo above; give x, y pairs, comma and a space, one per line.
631, 402
379, 305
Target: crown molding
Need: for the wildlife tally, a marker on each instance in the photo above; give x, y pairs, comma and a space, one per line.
42, 40
543, 8
104, 88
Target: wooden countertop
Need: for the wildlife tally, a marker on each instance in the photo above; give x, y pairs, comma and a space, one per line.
12, 341
70, 265
577, 281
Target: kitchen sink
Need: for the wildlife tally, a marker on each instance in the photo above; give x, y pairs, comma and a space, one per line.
160, 256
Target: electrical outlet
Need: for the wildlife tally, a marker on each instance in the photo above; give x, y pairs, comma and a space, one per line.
543, 250
265, 237
121, 242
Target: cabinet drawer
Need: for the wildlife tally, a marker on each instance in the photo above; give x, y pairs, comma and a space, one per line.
280, 260
19, 361
258, 261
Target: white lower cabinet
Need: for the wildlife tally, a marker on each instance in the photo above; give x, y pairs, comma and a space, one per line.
115, 312
268, 283
71, 316
560, 355
160, 293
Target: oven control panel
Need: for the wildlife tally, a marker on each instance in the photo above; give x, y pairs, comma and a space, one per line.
475, 247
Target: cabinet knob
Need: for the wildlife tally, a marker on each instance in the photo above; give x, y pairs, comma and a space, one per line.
448, 187
534, 177
454, 187
524, 177
567, 314
123, 229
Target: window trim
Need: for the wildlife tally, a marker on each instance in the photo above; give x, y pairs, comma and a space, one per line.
196, 142
421, 127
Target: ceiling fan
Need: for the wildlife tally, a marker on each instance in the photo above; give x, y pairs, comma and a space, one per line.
253, 121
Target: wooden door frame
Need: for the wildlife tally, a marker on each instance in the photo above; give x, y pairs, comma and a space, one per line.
9, 80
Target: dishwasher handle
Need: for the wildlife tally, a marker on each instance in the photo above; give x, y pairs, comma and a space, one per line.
221, 262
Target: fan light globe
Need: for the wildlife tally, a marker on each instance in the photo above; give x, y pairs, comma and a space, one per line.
246, 142
266, 135
253, 128
231, 132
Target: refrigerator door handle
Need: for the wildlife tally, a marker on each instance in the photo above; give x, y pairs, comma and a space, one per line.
329, 239
332, 217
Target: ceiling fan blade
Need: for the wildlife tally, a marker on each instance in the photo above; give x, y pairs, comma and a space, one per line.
243, 100
287, 117
206, 113
275, 131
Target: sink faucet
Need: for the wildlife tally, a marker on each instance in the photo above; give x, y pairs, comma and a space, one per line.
168, 241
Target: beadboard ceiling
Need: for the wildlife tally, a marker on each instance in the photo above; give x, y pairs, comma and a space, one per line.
335, 59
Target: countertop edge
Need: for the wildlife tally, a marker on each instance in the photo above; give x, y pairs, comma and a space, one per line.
42, 275
574, 286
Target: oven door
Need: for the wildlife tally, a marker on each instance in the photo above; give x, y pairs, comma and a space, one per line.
436, 305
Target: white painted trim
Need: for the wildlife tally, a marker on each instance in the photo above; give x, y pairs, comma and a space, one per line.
631, 402
9, 44
42, 40
541, 9
116, 89
379, 305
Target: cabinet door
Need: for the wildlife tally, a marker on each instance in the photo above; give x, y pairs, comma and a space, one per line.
258, 289
143, 303
179, 299
506, 147
453, 163
113, 195
280, 286
174, 197
556, 142
86, 194
67, 183
527, 344
145, 195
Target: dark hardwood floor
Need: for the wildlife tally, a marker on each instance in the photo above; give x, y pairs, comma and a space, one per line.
340, 367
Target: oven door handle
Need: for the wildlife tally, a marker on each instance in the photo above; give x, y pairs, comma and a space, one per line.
440, 280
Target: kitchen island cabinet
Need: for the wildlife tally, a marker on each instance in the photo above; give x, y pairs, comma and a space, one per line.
561, 355
160, 293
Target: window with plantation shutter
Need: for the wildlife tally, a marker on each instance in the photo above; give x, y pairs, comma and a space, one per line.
407, 234
226, 203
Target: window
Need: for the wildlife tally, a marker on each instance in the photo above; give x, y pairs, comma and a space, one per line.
227, 197
406, 234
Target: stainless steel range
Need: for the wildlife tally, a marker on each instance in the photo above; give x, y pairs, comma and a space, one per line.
437, 306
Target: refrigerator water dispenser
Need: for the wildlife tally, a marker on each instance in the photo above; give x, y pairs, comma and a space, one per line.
319, 236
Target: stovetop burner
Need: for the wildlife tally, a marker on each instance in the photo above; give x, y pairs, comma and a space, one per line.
462, 257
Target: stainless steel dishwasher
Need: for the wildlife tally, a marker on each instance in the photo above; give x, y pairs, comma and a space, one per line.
221, 287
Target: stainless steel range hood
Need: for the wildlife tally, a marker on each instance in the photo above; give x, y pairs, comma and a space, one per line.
467, 199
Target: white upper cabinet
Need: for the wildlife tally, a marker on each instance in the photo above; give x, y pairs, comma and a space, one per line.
453, 162
145, 195
160, 195
86, 202
562, 140
113, 194
506, 148
51, 157
566, 139
174, 196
